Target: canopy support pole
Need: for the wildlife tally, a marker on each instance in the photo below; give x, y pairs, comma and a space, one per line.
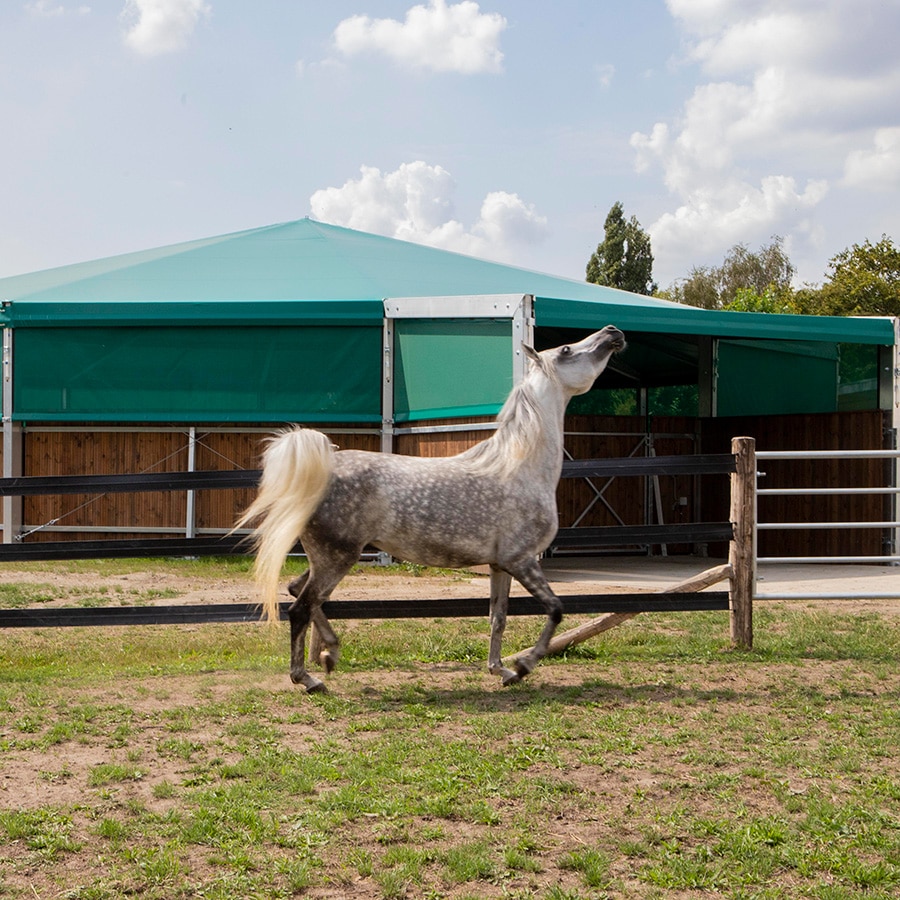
12, 446
387, 387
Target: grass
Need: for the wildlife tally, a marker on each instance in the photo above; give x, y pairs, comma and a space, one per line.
238, 568
206, 567
179, 762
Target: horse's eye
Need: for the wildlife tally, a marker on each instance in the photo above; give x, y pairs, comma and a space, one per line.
565, 351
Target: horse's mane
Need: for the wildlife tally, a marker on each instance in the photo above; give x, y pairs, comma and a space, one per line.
521, 423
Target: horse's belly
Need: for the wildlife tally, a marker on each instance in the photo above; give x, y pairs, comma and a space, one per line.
444, 556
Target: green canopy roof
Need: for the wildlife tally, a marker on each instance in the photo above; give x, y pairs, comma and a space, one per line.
306, 271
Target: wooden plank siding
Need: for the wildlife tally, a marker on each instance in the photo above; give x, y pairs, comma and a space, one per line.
103, 452
112, 452
632, 500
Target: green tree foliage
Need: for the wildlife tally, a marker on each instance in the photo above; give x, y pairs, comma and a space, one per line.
863, 280
624, 258
752, 280
771, 300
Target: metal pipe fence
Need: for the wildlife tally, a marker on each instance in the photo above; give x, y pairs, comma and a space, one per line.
893, 524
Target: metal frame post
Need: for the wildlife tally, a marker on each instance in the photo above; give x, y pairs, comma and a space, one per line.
190, 525
708, 348
13, 446
387, 386
895, 425
522, 333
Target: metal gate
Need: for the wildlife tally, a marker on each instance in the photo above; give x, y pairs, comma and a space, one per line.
889, 525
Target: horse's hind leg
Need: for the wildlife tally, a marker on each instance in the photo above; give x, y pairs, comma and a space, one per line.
311, 591
299, 615
528, 573
500, 582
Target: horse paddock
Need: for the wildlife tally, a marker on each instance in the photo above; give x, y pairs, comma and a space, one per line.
179, 761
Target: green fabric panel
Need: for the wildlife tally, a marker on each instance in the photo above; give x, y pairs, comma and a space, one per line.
447, 368
230, 374
772, 378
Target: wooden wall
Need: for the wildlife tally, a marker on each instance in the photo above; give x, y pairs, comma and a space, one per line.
625, 500
863, 430
102, 451
628, 501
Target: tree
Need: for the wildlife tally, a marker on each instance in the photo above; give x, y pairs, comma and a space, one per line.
624, 258
766, 274
864, 280
771, 300
700, 288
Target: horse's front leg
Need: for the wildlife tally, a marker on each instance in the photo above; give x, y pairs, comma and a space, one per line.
528, 573
500, 583
299, 615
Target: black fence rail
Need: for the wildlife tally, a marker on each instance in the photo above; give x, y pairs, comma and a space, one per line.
61, 617
606, 536
213, 545
447, 608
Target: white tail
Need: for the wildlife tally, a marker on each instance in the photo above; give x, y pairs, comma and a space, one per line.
297, 467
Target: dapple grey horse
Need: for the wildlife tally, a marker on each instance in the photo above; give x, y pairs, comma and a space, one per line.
494, 504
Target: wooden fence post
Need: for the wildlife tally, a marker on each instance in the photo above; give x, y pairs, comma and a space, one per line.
742, 550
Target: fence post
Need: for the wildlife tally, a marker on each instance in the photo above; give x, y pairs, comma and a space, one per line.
742, 550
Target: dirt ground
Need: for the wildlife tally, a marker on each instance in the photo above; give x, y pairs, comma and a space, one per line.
162, 587
567, 576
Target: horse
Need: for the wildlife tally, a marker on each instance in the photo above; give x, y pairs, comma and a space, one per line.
493, 504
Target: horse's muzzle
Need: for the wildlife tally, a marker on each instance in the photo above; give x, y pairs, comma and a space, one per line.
614, 337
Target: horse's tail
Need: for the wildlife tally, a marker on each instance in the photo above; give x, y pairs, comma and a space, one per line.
297, 467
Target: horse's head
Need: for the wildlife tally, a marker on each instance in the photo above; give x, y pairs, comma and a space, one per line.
575, 367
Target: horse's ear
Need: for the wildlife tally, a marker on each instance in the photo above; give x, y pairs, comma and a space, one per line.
532, 354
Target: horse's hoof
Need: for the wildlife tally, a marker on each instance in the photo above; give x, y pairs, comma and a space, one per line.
523, 668
327, 661
312, 684
508, 677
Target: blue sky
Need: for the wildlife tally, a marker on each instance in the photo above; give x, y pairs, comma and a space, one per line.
501, 128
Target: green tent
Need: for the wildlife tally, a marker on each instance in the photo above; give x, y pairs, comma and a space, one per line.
310, 322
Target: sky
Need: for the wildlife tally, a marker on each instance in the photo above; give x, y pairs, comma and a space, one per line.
504, 129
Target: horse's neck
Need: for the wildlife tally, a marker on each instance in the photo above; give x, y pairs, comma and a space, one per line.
541, 433
548, 450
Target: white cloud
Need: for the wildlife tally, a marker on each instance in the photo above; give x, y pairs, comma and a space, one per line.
455, 38
792, 92
879, 167
162, 26
415, 203
49, 9
713, 219
604, 74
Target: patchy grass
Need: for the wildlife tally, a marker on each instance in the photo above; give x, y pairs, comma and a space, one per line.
209, 567
180, 762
